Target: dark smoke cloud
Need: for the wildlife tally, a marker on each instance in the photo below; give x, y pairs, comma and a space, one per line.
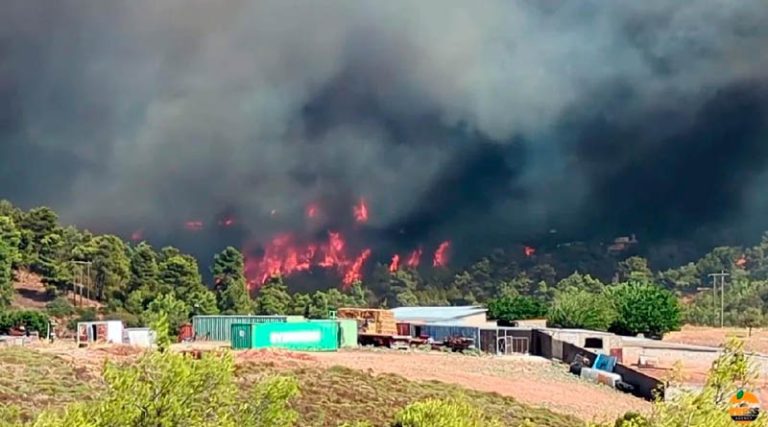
481, 123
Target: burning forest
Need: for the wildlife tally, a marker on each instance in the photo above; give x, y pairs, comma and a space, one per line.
290, 253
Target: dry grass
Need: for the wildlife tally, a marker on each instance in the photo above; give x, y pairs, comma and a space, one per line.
330, 396
338, 394
33, 381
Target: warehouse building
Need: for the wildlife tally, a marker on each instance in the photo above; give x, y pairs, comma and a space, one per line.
471, 315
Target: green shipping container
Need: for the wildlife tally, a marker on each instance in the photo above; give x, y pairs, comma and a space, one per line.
300, 336
348, 332
242, 336
219, 328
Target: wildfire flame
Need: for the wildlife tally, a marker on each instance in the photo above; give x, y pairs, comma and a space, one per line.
414, 259
312, 210
529, 251
741, 262
137, 235
227, 222
195, 225
441, 255
353, 274
360, 211
283, 255
395, 264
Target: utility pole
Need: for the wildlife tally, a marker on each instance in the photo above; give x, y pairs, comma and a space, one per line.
81, 278
721, 275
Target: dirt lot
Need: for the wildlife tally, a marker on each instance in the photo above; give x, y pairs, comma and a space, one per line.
716, 337
530, 380
695, 369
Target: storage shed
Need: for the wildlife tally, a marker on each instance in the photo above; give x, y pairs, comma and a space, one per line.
466, 315
596, 341
139, 337
103, 331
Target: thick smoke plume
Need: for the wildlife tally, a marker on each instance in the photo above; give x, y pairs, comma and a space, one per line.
476, 123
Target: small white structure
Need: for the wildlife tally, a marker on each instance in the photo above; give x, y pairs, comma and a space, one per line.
104, 331
139, 337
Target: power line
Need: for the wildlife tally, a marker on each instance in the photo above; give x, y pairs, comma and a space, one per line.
721, 275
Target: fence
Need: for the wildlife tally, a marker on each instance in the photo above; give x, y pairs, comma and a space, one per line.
544, 345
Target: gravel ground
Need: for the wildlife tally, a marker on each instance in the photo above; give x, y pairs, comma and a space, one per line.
530, 380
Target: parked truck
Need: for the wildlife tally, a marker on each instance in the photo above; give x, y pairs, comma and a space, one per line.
376, 327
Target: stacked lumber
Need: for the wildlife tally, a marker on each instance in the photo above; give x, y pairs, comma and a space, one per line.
370, 320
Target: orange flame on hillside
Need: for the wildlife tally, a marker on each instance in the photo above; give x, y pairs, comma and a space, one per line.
395, 264
441, 255
414, 259
360, 211
194, 225
227, 222
312, 210
284, 256
137, 235
529, 251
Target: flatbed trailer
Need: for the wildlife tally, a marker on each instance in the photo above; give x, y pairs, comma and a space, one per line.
390, 341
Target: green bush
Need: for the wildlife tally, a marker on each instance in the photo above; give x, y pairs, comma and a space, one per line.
575, 308
443, 413
60, 307
31, 320
170, 389
511, 308
644, 308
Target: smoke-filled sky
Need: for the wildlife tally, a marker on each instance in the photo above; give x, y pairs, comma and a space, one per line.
479, 122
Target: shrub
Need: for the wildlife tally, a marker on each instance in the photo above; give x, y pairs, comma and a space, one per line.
644, 308
31, 320
443, 413
510, 308
60, 307
574, 308
170, 389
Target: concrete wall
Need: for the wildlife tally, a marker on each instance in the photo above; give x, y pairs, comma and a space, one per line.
579, 338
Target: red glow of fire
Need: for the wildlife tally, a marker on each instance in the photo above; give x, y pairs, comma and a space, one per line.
193, 225
395, 264
312, 210
528, 251
227, 222
137, 235
441, 255
284, 256
353, 273
414, 259
741, 262
360, 211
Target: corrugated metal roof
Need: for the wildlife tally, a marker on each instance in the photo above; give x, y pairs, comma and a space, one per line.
431, 314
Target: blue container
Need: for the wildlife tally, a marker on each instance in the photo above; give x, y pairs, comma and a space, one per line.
604, 363
439, 332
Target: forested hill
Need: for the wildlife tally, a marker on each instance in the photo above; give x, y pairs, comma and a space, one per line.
135, 280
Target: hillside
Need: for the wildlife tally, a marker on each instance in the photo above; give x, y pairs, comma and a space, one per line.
330, 394
29, 293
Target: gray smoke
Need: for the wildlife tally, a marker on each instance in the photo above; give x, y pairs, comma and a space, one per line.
496, 119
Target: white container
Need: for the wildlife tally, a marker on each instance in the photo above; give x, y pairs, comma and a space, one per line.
139, 337
88, 331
